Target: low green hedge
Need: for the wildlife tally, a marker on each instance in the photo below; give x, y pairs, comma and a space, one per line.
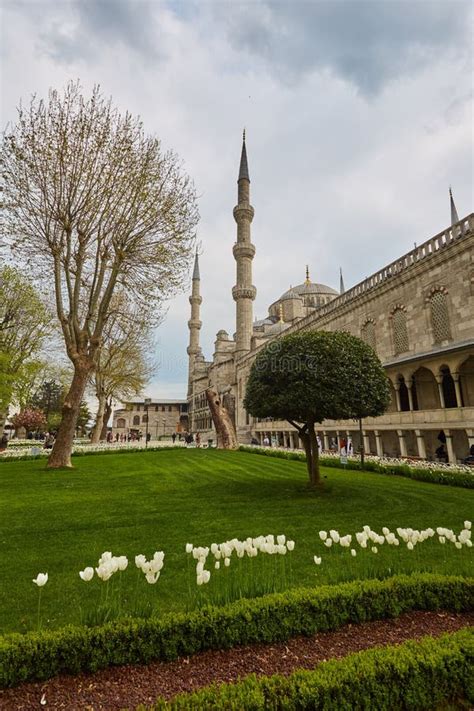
40, 655
415, 675
435, 476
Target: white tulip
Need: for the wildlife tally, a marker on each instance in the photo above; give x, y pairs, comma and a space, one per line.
396, 542
410, 546
469, 543
385, 531
323, 535
189, 547
217, 565
140, 560
281, 540
199, 579
374, 549
363, 544
86, 574
152, 577
122, 562
328, 542
317, 560
467, 524
41, 579
458, 544
199, 568
214, 548
334, 535
353, 553
227, 562
218, 555
290, 545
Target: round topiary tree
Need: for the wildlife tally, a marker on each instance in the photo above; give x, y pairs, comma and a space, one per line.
309, 377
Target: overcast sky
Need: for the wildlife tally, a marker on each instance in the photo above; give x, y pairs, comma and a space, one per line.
358, 118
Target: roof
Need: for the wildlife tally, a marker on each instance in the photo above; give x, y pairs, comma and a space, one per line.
155, 401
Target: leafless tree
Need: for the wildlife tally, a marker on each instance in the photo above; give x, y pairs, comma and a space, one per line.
94, 205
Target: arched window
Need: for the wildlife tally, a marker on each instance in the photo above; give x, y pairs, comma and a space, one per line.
120, 422
136, 419
368, 333
400, 332
144, 418
440, 316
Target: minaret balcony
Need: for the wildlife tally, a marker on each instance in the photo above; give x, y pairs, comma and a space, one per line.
194, 323
243, 213
195, 299
244, 292
243, 249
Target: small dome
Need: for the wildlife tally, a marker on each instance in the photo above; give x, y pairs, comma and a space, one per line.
277, 328
311, 289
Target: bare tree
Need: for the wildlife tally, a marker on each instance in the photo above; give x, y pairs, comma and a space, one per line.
123, 365
95, 205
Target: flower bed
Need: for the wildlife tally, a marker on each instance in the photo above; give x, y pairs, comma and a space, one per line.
434, 472
40, 655
35, 449
418, 675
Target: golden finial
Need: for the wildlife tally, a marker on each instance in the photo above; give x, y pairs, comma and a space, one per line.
308, 280
281, 313
243, 135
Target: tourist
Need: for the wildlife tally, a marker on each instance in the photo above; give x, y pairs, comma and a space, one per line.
266, 441
4, 442
442, 454
49, 441
173, 437
198, 440
254, 441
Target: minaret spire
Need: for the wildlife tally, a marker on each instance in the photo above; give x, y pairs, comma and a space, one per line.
194, 324
307, 280
454, 212
341, 282
244, 251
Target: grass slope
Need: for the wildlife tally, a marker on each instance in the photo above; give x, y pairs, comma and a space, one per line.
60, 522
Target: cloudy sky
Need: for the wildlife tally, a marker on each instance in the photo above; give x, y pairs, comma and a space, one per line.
358, 117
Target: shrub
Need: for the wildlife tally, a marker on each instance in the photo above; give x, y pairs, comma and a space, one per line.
428, 473
414, 675
40, 655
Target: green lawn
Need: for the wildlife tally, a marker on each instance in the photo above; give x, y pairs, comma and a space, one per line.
60, 522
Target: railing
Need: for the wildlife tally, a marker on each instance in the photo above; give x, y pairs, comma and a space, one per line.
418, 254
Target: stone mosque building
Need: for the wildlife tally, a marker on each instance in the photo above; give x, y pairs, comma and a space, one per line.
417, 313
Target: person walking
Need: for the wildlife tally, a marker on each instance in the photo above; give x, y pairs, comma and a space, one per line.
4, 442
173, 437
198, 440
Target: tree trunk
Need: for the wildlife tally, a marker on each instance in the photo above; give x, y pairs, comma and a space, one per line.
61, 453
362, 451
315, 474
226, 437
99, 420
309, 457
105, 420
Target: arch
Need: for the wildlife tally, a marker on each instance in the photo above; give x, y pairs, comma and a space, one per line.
439, 315
449, 390
399, 329
144, 419
368, 333
403, 394
136, 419
466, 381
121, 422
427, 393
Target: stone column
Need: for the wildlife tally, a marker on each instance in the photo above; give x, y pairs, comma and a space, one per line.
402, 443
449, 447
470, 437
439, 380
420, 441
457, 388
397, 396
326, 440
378, 443
410, 395
366, 443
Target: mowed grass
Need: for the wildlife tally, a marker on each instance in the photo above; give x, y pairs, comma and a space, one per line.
61, 521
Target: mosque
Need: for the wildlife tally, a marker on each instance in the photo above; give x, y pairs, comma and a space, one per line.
417, 313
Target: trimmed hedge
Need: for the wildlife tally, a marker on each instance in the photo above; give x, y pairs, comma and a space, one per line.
41, 655
434, 476
415, 675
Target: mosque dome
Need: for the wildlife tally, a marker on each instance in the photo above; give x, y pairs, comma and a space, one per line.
311, 294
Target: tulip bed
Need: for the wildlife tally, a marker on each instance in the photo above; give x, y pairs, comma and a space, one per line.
60, 523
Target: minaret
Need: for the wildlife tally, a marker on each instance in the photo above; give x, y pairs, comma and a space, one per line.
454, 212
341, 282
243, 292
194, 324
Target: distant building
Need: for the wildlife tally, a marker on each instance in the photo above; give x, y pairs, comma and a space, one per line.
164, 418
417, 313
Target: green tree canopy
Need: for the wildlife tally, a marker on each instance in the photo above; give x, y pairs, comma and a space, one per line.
309, 377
